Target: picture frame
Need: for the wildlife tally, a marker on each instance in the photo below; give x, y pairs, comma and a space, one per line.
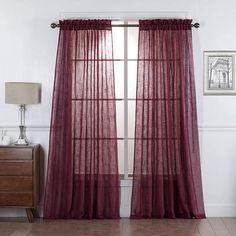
219, 73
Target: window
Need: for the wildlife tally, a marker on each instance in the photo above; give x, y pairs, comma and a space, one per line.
125, 44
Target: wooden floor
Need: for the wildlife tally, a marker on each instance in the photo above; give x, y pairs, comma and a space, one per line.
124, 227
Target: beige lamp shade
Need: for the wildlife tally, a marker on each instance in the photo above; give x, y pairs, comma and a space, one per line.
22, 93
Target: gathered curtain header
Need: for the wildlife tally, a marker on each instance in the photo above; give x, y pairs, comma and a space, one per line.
160, 24
104, 24
85, 25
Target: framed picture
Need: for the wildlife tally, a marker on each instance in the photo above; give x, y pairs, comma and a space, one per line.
219, 73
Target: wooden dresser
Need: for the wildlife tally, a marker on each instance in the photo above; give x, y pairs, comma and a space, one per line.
19, 178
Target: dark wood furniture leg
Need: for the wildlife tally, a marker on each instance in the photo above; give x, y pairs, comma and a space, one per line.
30, 216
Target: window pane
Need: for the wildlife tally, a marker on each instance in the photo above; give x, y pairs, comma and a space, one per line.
119, 78
130, 156
133, 41
120, 118
131, 118
132, 79
118, 40
121, 156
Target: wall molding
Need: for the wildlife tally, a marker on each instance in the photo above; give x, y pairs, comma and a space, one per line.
29, 128
201, 128
217, 128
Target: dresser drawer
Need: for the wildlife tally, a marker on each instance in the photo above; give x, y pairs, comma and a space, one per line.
15, 153
16, 199
16, 168
16, 183
19, 177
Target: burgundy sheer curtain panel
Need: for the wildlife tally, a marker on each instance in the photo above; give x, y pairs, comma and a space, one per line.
167, 175
82, 178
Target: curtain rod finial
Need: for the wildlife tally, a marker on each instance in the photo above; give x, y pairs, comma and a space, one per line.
54, 25
196, 25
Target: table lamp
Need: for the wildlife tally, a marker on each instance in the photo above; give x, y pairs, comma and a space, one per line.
22, 94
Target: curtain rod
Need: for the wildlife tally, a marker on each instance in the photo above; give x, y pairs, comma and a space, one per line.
55, 25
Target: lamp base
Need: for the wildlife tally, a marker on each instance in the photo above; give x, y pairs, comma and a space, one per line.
22, 140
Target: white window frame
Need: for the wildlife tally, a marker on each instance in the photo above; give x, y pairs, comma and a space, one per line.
126, 100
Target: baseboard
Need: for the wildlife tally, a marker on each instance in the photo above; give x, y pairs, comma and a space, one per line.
212, 210
12, 212
18, 212
220, 210
124, 211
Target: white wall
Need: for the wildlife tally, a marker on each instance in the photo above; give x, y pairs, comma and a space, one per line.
28, 51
